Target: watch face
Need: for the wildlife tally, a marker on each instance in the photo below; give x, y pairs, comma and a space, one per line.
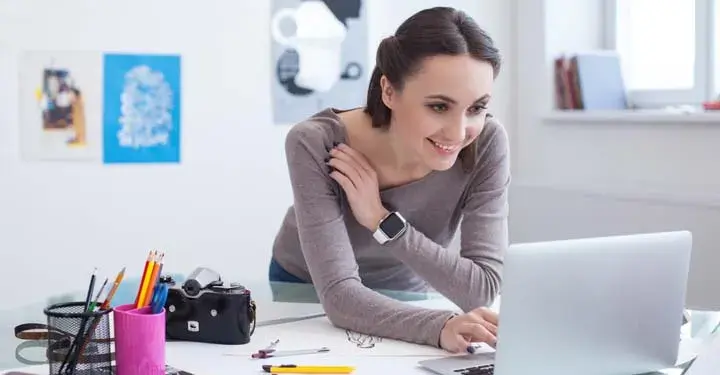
392, 225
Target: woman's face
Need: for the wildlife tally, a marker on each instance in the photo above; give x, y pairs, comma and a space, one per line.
441, 108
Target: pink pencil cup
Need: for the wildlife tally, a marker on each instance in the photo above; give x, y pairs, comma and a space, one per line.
139, 341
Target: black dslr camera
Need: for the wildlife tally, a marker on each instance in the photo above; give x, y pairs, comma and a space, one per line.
206, 309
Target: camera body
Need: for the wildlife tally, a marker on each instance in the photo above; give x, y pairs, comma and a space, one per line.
206, 309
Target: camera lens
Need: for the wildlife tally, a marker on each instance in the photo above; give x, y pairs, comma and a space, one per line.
192, 287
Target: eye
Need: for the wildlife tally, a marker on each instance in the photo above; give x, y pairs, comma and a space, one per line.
438, 107
477, 109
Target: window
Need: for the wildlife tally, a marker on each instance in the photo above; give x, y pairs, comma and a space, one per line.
715, 71
666, 47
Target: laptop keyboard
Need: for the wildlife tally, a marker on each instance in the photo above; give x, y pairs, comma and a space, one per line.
476, 370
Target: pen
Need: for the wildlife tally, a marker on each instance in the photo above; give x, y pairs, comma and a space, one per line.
91, 287
159, 298
97, 297
270, 353
296, 369
73, 353
105, 305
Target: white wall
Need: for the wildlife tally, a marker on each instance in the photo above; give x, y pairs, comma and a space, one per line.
222, 205
611, 175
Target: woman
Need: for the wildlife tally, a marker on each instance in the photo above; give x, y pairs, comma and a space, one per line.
379, 191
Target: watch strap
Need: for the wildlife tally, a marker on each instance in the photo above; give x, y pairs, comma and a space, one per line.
380, 235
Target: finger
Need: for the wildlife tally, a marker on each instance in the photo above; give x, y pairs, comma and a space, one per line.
350, 171
359, 158
490, 316
459, 344
492, 328
477, 332
344, 182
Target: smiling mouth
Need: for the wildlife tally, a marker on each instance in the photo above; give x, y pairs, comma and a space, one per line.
445, 148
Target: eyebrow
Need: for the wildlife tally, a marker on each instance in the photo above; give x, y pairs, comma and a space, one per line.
453, 101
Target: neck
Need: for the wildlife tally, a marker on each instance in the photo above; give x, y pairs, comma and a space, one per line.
396, 159
393, 165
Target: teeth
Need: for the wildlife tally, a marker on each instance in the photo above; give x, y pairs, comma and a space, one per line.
444, 147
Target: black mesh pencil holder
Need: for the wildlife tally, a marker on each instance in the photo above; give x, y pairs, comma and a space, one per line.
79, 342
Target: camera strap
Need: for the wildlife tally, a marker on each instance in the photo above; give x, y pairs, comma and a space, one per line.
56, 343
252, 312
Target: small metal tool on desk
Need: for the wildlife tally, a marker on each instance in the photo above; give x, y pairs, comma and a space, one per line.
271, 352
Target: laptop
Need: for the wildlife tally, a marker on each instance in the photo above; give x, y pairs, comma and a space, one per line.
606, 305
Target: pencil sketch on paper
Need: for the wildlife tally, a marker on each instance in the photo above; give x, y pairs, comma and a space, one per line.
362, 341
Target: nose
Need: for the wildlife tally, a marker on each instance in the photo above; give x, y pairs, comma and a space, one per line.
455, 133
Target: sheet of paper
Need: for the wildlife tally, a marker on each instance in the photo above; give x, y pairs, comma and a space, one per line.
707, 361
216, 364
319, 332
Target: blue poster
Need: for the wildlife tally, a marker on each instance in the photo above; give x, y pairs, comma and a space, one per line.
141, 117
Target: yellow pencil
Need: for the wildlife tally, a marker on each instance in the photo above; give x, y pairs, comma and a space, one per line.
299, 369
146, 282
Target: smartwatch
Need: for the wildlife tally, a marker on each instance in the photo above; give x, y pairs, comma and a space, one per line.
391, 227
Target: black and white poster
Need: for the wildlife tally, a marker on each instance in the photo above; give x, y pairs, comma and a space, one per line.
319, 52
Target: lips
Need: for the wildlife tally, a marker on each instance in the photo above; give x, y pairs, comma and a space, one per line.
444, 146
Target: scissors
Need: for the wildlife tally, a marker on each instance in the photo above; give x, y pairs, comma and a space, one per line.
159, 298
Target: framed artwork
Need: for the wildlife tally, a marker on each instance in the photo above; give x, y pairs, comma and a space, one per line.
60, 105
141, 108
319, 51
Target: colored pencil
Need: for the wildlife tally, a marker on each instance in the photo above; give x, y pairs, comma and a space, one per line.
150, 288
146, 281
111, 293
146, 270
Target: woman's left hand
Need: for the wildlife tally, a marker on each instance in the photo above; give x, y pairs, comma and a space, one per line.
359, 181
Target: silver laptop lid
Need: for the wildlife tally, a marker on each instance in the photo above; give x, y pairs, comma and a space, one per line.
611, 305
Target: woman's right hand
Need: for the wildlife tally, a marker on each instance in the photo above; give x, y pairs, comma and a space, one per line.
476, 326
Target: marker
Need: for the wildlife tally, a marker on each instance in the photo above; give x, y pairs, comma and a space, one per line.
295, 369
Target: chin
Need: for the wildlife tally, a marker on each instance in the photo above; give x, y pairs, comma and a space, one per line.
441, 165
439, 159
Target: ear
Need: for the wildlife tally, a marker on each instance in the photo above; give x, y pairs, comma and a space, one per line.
388, 92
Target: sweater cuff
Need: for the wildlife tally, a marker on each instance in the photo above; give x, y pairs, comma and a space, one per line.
435, 327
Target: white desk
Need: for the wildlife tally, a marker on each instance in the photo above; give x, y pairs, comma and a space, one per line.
390, 356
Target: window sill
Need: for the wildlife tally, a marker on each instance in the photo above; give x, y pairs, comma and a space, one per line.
633, 117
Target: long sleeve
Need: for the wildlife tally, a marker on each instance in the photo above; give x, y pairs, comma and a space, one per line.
329, 256
472, 277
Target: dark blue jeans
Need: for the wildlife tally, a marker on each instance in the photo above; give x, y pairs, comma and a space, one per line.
279, 274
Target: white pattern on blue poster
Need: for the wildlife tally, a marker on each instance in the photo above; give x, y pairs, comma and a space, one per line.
141, 109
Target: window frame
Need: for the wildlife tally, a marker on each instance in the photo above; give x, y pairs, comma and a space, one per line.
707, 80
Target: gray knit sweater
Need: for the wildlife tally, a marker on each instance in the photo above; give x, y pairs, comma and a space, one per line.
321, 241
